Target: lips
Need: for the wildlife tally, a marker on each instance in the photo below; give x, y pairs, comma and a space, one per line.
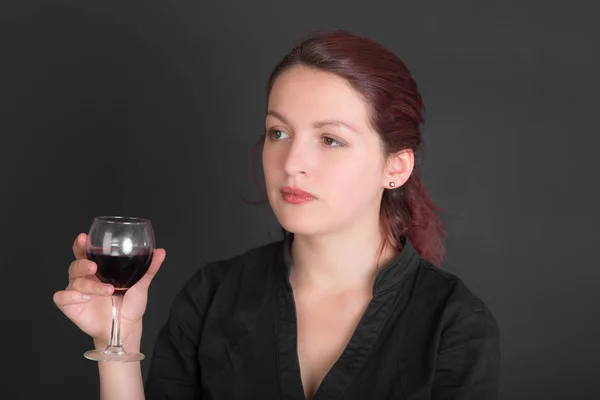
296, 192
296, 196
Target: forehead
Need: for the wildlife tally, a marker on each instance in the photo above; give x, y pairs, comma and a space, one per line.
305, 95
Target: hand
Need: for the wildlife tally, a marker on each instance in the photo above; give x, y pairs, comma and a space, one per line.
86, 301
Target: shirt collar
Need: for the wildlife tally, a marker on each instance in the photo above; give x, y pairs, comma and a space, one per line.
387, 278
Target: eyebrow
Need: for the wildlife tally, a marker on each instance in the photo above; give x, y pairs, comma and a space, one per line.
318, 124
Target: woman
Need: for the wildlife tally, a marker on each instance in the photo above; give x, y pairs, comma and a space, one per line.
350, 304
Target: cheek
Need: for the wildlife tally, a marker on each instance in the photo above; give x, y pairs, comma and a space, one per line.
270, 163
352, 182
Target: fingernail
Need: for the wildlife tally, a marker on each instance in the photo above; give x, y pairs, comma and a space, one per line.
86, 297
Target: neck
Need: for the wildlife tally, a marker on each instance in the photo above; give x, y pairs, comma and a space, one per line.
340, 261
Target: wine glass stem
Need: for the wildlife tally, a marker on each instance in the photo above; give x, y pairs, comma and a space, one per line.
115, 332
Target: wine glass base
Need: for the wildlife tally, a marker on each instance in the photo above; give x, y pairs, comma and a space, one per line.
113, 356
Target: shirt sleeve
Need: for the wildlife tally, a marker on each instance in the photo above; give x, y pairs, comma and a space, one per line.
174, 368
468, 363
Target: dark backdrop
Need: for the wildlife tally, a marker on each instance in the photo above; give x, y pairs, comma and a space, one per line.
152, 108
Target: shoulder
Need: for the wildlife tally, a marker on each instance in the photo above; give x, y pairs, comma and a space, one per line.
464, 333
229, 274
215, 271
453, 298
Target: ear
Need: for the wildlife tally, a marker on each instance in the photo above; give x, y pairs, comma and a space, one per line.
399, 167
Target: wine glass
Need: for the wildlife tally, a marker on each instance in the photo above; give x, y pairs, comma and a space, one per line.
122, 248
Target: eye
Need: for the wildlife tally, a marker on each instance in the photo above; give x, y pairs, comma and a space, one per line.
276, 134
330, 142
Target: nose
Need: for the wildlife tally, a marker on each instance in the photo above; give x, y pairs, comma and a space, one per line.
299, 158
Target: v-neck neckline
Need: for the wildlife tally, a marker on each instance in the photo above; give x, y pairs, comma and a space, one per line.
364, 337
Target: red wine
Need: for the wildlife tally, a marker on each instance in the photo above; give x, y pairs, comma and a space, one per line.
122, 271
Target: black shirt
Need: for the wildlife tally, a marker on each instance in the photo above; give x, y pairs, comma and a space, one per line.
231, 334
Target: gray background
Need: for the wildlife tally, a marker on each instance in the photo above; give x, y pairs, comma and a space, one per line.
152, 108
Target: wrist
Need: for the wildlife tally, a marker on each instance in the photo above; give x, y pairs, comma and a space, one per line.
100, 344
131, 346
131, 341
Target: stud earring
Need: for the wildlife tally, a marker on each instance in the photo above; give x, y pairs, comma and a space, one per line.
392, 184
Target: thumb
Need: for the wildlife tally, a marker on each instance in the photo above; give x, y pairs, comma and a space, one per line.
158, 256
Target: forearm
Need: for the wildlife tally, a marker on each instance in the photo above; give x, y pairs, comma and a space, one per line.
121, 381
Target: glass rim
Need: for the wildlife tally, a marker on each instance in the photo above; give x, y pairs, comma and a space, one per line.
121, 219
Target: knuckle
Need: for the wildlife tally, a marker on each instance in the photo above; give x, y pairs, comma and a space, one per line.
74, 269
82, 267
77, 268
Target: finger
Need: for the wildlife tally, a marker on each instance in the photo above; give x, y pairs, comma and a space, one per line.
79, 268
88, 286
66, 297
79, 246
158, 257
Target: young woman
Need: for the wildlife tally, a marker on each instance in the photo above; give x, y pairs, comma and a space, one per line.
351, 304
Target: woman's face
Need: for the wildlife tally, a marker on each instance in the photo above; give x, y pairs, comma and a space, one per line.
319, 140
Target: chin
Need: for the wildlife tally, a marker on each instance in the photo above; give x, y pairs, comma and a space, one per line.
304, 224
297, 222
306, 219
299, 226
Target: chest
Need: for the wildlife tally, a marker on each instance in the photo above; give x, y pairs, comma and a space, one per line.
290, 347
325, 326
